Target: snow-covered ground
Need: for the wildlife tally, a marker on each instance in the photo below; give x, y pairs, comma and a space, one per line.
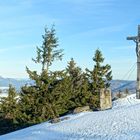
122, 122
3, 92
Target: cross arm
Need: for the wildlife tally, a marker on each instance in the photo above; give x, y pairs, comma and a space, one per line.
131, 37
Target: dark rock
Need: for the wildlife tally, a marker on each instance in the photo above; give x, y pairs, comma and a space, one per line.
81, 109
65, 118
55, 120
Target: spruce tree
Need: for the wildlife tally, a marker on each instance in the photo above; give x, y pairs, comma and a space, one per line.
75, 86
9, 105
39, 99
99, 77
76, 81
75, 73
48, 52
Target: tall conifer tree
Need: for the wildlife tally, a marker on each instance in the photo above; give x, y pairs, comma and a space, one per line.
99, 77
40, 97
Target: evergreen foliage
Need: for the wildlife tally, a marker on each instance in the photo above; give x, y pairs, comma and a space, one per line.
9, 105
126, 91
54, 93
9, 110
39, 98
79, 84
99, 77
48, 52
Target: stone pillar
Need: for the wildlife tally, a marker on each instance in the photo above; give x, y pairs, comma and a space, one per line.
105, 99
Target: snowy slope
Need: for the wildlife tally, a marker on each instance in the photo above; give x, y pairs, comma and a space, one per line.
122, 122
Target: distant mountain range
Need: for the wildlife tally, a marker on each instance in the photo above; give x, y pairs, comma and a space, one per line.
18, 83
116, 85
122, 85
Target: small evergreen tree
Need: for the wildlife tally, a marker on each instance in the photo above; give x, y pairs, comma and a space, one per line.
76, 82
75, 74
73, 88
126, 91
99, 77
9, 105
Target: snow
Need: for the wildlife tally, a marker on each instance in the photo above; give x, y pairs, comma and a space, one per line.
4, 88
120, 122
4, 91
3, 95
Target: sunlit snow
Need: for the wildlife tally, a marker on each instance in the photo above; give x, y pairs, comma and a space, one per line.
122, 122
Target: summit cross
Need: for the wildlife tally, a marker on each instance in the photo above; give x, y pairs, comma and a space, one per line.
136, 39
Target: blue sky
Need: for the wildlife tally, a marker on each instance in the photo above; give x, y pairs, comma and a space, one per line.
82, 26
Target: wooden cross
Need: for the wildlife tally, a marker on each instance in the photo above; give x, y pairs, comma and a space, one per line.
136, 39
